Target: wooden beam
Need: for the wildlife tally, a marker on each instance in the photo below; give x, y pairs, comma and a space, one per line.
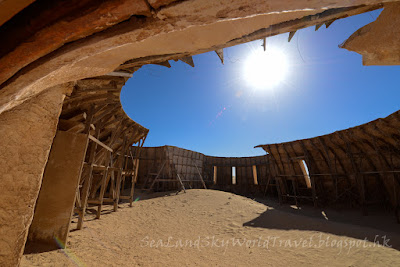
201, 177
103, 188
94, 139
106, 113
158, 175
119, 174
282, 185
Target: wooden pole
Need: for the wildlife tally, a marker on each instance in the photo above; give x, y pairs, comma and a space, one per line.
201, 177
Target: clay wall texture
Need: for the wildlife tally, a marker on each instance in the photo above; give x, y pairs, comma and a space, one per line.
26, 136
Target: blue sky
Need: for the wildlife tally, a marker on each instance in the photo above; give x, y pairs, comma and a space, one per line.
213, 110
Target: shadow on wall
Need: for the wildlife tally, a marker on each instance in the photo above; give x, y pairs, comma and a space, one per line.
275, 218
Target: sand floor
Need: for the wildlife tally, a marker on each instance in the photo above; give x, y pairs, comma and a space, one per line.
213, 228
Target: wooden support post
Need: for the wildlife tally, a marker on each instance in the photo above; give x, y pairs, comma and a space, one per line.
117, 189
135, 163
198, 171
282, 184
112, 183
85, 195
158, 175
277, 185
88, 180
266, 186
119, 174
177, 174
294, 190
294, 181
115, 180
180, 180
124, 172
135, 166
102, 191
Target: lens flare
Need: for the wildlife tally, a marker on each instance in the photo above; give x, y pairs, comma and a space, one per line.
78, 262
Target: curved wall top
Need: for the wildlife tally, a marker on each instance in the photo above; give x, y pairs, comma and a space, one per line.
54, 42
370, 151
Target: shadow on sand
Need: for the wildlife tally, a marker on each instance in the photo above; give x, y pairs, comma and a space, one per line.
347, 223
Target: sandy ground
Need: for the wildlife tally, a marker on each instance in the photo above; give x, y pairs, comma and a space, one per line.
213, 228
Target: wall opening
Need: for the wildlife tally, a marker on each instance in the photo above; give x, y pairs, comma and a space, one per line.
233, 175
215, 174
306, 173
255, 178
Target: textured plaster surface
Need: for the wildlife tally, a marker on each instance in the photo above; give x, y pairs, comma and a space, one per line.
26, 135
55, 35
379, 41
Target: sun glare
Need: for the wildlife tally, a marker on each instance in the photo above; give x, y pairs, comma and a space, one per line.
265, 69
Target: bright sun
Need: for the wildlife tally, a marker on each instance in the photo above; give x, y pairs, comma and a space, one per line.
265, 69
